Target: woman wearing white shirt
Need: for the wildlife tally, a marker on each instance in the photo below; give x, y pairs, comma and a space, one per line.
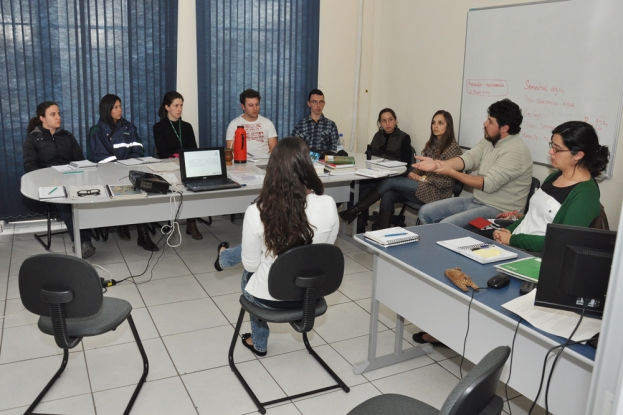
291, 210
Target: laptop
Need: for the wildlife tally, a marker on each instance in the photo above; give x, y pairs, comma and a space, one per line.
203, 169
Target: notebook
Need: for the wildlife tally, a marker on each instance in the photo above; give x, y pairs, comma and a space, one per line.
54, 192
483, 252
203, 169
392, 236
526, 269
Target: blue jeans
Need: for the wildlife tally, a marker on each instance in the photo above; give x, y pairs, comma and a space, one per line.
397, 189
458, 211
230, 257
259, 328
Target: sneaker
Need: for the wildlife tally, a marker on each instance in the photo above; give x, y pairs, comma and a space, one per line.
87, 249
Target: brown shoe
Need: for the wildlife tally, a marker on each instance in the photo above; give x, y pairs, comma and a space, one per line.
191, 229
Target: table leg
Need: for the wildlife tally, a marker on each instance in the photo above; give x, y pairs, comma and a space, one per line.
77, 241
354, 190
399, 355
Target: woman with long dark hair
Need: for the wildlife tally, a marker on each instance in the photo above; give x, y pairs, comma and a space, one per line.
46, 145
115, 138
418, 186
171, 134
291, 210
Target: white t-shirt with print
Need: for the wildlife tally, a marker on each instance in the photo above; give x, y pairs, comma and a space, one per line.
258, 133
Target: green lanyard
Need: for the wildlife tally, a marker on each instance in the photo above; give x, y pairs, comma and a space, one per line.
179, 136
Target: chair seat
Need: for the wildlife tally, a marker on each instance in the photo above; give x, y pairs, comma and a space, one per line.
113, 312
280, 316
413, 205
395, 405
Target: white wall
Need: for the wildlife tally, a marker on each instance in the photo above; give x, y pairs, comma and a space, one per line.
187, 84
413, 63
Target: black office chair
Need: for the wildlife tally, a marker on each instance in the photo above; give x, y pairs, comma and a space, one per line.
297, 275
67, 293
50, 217
399, 220
534, 185
474, 394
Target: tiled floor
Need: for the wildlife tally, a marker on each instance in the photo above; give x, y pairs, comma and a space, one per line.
184, 312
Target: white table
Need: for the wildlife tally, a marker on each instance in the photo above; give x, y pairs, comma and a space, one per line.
409, 279
89, 214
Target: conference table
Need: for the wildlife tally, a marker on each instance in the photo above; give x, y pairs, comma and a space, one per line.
409, 279
96, 213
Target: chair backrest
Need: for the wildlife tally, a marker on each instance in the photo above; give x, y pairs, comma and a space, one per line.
49, 273
536, 183
457, 188
92, 131
413, 160
318, 266
601, 221
477, 389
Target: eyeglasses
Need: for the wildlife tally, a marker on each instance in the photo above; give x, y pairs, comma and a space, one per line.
88, 192
317, 102
556, 149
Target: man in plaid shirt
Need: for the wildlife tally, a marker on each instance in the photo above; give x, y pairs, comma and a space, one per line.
319, 132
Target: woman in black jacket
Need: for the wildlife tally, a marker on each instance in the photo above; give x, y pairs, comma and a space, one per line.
116, 138
47, 145
171, 134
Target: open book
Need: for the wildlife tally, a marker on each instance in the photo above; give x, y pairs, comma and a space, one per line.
483, 252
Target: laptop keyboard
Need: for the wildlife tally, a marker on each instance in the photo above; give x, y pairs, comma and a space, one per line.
208, 183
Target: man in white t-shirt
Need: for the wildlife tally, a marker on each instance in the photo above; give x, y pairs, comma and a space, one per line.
261, 133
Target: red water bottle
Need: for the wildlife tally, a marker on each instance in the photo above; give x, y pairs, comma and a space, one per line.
240, 145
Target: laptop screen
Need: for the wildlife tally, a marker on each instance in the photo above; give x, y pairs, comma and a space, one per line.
202, 163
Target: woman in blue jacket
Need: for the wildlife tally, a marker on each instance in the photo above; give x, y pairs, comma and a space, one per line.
115, 138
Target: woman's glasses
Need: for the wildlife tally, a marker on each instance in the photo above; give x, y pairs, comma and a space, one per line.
88, 192
556, 148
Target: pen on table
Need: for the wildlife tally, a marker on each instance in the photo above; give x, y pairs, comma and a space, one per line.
52, 191
394, 234
481, 247
73, 171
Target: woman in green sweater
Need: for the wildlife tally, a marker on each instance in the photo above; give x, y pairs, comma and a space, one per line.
570, 195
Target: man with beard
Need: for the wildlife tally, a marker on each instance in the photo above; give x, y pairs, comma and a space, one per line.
501, 167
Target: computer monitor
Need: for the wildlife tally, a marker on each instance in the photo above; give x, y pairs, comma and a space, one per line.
575, 268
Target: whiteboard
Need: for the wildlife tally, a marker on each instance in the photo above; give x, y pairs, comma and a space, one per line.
559, 61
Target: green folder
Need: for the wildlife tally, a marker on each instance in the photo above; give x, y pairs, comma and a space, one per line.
525, 269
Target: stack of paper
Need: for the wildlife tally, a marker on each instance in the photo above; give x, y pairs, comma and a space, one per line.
161, 167
82, 164
138, 160
557, 322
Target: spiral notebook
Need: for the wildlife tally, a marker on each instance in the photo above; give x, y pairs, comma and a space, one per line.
483, 252
392, 236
